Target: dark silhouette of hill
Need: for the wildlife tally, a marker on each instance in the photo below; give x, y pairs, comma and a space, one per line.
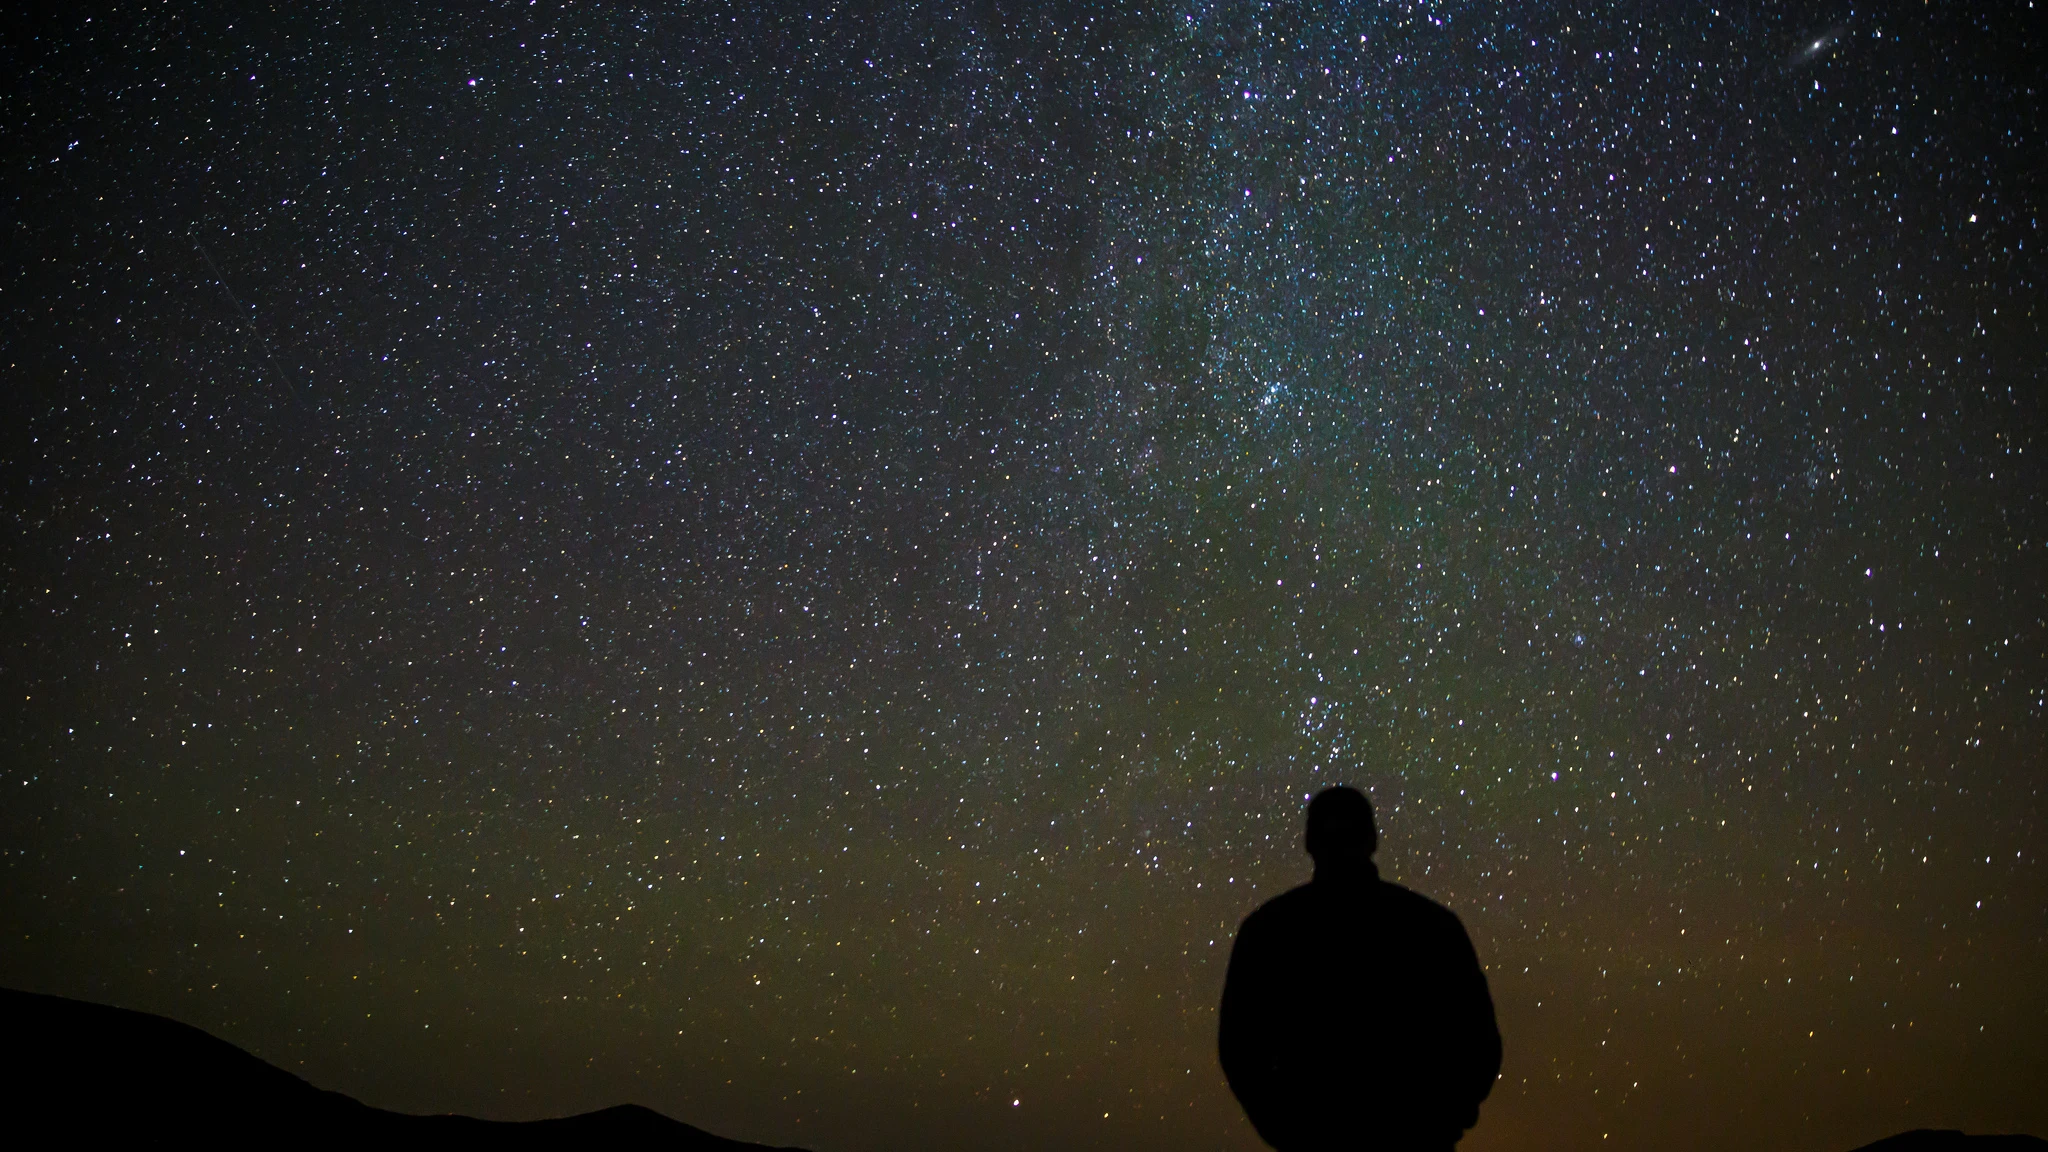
87, 1073
1950, 1140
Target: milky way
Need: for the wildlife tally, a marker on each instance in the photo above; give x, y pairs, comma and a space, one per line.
796, 566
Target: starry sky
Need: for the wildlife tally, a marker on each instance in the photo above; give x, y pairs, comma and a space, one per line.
795, 564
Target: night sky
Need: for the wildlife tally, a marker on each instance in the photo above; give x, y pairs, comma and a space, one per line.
797, 564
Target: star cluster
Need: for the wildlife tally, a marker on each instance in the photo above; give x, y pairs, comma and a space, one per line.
797, 565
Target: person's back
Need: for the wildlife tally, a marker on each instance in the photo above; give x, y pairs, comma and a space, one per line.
1355, 1014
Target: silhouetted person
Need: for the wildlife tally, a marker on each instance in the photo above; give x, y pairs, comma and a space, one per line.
1355, 1015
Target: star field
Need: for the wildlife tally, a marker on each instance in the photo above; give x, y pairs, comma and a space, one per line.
797, 565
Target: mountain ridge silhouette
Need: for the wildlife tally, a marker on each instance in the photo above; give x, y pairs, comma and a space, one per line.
93, 1071
96, 1071
1954, 1140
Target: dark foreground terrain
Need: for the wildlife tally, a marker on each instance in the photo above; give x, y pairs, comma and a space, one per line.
1943, 1140
87, 1073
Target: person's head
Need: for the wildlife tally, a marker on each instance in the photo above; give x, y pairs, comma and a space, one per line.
1340, 827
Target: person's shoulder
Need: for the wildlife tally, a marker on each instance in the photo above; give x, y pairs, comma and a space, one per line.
1409, 902
1286, 906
